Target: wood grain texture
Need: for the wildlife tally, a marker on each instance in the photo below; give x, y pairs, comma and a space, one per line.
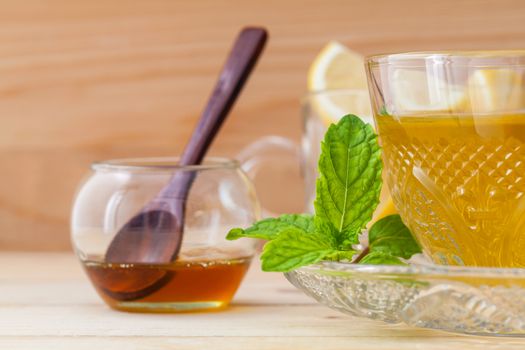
88, 80
47, 303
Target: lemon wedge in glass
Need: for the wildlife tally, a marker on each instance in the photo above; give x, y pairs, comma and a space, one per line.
496, 90
416, 91
487, 90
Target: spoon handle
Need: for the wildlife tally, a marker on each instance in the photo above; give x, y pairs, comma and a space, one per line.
241, 60
235, 72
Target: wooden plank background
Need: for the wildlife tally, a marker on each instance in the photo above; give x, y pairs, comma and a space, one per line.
88, 80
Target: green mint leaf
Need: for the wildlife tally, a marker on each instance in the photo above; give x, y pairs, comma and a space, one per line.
390, 236
294, 248
350, 177
330, 234
380, 258
272, 227
340, 255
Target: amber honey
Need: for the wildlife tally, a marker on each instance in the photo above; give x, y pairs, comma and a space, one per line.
176, 287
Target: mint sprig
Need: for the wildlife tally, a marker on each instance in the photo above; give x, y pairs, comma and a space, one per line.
347, 191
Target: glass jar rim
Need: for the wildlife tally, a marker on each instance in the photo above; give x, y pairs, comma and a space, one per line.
162, 164
470, 58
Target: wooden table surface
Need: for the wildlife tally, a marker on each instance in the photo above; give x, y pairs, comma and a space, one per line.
46, 302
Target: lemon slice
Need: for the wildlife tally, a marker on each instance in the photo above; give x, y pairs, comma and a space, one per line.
337, 67
335, 70
494, 90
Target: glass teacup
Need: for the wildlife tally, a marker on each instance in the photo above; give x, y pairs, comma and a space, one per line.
452, 130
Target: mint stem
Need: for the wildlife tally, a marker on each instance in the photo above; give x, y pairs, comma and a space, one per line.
361, 255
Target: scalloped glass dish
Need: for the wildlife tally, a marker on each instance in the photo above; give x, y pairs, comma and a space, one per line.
482, 301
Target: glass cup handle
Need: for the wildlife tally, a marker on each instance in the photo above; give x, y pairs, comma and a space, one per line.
266, 151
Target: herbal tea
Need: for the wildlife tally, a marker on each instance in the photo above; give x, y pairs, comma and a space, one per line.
180, 286
458, 182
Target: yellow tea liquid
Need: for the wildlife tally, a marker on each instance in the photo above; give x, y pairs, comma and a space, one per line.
459, 183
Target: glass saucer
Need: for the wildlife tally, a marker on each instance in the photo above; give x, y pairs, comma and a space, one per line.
482, 301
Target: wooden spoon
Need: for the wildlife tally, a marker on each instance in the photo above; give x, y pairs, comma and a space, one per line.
154, 235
